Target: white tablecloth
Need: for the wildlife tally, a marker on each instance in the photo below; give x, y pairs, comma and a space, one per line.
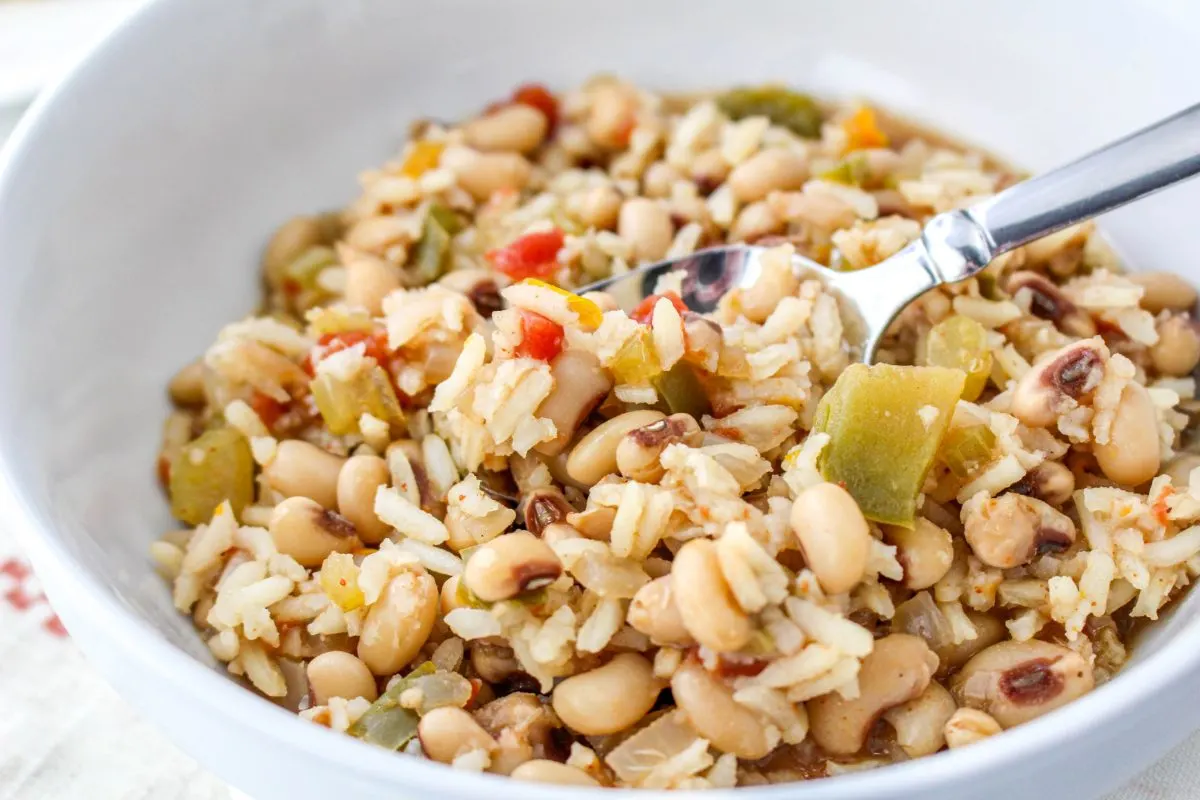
65, 734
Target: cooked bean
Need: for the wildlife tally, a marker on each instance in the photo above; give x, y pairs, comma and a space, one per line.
542, 508
448, 595
466, 530
542, 770
653, 611
515, 128
399, 623
187, 386
639, 450
924, 551
484, 174
1065, 375
1050, 482
988, 630
306, 531
770, 170
597, 207
291, 240
1018, 681
1177, 351
358, 481
920, 723
448, 732
524, 727
510, 564
595, 455
712, 711
300, 469
647, 226
611, 116
1163, 291
659, 179
754, 222
1012, 529
494, 663
338, 674
776, 281
709, 170
594, 523
707, 606
899, 669
968, 726
368, 281
1048, 301
579, 385
1133, 451
607, 699
833, 535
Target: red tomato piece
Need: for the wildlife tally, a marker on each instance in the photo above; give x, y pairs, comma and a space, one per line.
541, 338
269, 409
539, 97
530, 256
375, 344
645, 310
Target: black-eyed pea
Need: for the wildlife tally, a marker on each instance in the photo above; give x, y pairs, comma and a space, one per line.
640, 449
755, 221
1012, 529
509, 565
514, 128
653, 611
187, 386
712, 711
1062, 376
479, 285
1015, 682
611, 116
1163, 291
925, 552
338, 674
448, 732
609, 698
448, 596
595, 454
833, 536
300, 469
465, 530
593, 523
1133, 452
920, 723
770, 170
1050, 482
989, 629
710, 169
1048, 301
580, 384
646, 225
896, 671
776, 281
399, 622
543, 507
968, 726
368, 281
308, 532
543, 770
705, 602
1177, 351
659, 179
493, 662
358, 481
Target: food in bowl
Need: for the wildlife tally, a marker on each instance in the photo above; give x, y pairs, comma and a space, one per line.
444, 503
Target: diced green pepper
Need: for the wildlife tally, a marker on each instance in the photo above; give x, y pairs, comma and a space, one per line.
681, 391
215, 467
433, 251
343, 401
467, 598
386, 723
637, 363
885, 423
852, 171
967, 450
793, 110
960, 342
305, 269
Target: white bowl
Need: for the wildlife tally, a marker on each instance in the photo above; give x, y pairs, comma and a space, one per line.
135, 199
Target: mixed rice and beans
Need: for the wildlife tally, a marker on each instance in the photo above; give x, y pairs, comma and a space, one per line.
439, 501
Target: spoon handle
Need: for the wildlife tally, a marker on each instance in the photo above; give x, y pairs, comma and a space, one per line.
1132, 167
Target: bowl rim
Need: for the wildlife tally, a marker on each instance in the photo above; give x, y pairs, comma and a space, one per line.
136, 641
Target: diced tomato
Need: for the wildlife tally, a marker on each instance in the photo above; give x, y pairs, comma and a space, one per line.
645, 310
164, 471
539, 97
269, 409
476, 686
541, 338
375, 344
530, 256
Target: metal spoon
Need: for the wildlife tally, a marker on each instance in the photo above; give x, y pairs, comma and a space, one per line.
956, 244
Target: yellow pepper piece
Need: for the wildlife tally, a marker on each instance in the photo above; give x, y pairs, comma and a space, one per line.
960, 342
966, 451
636, 363
863, 131
590, 315
885, 424
423, 157
339, 581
